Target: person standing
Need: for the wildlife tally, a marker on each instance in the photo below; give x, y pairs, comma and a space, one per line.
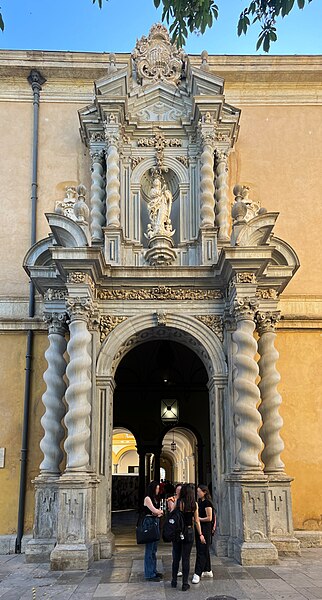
205, 506
152, 507
181, 548
172, 503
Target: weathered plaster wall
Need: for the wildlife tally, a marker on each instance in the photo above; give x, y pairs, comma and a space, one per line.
301, 389
12, 376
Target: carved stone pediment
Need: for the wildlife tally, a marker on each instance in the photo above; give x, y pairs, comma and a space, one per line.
155, 58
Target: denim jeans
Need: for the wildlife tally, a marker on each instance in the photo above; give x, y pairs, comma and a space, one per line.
150, 560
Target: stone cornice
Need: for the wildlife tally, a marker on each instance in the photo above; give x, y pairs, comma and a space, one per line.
93, 65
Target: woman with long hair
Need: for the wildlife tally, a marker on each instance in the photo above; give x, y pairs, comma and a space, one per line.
205, 506
182, 548
152, 507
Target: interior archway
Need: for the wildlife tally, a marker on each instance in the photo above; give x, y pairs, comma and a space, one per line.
125, 461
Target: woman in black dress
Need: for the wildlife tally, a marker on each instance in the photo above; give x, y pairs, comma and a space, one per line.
203, 564
182, 548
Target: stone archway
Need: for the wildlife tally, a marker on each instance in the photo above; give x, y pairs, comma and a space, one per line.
126, 336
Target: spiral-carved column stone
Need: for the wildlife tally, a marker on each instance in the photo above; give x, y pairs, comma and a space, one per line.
221, 193
77, 419
207, 188
271, 399
112, 182
97, 196
247, 417
53, 396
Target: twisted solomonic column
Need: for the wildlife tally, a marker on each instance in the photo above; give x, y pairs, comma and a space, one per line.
53, 396
112, 182
247, 417
77, 419
207, 188
97, 196
271, 399
221, 193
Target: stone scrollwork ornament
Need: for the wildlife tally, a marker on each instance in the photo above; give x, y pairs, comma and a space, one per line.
155, 58
214, 322
160, 293
56, 322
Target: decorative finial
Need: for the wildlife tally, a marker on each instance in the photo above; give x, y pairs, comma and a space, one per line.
204, 61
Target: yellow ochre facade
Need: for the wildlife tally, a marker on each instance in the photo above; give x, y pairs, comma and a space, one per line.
277, 155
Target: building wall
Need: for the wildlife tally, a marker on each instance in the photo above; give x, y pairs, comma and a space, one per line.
277, 155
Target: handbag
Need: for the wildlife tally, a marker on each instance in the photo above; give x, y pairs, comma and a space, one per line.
147, 530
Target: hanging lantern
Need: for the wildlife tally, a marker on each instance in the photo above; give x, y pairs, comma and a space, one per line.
173, 445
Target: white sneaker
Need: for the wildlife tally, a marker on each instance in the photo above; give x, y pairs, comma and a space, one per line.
179, 574
207, 574
195, 578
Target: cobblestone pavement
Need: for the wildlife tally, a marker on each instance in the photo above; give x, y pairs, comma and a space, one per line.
121, 578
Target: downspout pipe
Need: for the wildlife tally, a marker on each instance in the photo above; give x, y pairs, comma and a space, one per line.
36, 80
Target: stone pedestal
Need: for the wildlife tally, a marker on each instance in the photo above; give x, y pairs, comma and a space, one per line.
280, 511
250, 544
75, 528
160, 251
208, 245
113, 245
44, 538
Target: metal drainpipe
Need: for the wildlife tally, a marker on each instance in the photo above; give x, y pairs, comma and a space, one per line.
36, 80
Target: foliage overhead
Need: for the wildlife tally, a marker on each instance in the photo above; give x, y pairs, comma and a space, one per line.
186, 16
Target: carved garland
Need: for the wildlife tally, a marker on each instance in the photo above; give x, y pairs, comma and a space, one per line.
108, 323
159, 293
80, 277
214, 322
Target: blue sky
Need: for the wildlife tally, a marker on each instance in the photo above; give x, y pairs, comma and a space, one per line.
78, 25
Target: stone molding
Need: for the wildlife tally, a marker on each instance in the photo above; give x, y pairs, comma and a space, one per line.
267, 294
160, 293
55, 294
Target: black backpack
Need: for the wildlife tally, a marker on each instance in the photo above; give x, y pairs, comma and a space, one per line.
173, 528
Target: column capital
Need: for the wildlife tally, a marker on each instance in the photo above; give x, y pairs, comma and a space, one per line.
208, 137
56, 322
267, 320
79, 308
222, 155
97, 155
245, 308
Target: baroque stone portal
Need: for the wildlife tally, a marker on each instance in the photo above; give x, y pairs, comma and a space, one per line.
156, 251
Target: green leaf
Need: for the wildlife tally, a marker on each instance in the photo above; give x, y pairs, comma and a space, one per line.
266, 44
156, 3
301, 3
1, 23
240, 27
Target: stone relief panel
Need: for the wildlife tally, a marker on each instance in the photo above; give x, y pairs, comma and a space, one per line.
46, 513
160, 293
73, 505
214, 322
108, 323
255, 514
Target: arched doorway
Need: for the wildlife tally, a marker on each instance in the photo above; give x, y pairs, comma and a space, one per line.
179, 455
125, 477
157, 375
125, 340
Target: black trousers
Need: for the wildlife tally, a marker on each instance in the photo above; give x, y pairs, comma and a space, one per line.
203, 552
181, 550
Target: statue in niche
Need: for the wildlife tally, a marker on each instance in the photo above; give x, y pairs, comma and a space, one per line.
159, 207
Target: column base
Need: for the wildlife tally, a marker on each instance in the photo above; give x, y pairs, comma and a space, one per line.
38, 551
220, 544
74, 557
255, 553
280, 512
105, 545
44, 537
